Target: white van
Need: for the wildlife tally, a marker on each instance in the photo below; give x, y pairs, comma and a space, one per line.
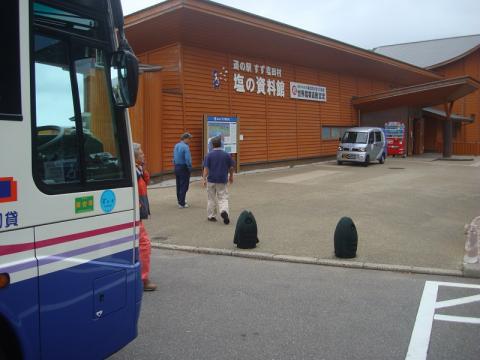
362, 145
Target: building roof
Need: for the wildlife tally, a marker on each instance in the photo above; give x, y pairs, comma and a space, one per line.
432, 53
216, 27
422, 95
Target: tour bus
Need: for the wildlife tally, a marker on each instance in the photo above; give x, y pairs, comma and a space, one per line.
70, 283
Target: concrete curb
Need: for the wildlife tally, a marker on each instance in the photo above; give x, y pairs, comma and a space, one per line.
471, 270
318, 261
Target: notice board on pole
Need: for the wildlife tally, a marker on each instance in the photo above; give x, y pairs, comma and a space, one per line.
227, 127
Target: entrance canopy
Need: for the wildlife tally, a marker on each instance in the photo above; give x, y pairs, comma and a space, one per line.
423, 95
442, 115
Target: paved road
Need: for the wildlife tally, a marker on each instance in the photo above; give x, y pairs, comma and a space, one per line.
215, 307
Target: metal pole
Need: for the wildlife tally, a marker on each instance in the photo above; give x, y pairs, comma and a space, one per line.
447, 131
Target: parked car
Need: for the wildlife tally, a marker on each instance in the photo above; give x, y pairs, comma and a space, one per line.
362, 145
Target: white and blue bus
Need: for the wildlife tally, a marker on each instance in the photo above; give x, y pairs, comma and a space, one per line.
70, 283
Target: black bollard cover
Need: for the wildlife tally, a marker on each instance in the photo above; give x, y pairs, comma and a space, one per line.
345, 239
246, 231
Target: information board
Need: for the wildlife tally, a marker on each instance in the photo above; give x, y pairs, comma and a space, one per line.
226, 128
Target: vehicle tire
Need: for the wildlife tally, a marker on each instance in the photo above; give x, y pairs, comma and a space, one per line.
382, 159
339, 162
367, 161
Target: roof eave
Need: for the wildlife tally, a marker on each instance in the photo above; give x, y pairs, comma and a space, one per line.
232, 14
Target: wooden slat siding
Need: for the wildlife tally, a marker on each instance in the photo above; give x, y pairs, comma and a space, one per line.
253, 119
472, 101
432, 126
200, 97
169, 58
348, 89
308, 117
330, 110
364, 87
282, 120
153, 125
273, 128
462, 148
172, 127
378, 86
469, 65
467, 148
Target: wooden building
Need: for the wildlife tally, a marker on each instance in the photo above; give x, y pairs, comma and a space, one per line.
449, 57
294, 91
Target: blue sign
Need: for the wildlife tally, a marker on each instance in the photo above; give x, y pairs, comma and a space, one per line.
222, 119
5, 189
107, 201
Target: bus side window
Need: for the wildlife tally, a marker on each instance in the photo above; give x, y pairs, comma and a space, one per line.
56, 161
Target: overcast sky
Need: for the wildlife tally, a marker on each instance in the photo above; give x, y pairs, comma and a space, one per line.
364, 23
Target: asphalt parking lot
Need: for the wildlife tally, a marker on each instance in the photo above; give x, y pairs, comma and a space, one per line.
407, 211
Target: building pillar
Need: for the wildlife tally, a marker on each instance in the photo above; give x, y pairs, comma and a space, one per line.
448, 131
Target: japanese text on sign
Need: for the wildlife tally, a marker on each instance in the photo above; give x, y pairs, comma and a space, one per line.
257, 69
308, 92
8, 219
258, 83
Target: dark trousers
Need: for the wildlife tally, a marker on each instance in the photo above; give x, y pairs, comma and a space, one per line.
182, 175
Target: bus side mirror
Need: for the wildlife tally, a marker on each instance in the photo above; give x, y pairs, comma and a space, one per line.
124, 78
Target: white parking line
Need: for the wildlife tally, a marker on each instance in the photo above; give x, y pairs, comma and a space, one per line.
460, 301
420, 339
459, 319
417, 350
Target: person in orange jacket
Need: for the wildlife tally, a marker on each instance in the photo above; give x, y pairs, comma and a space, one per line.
143, 179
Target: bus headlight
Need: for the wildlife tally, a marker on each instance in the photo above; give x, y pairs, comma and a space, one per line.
340, 148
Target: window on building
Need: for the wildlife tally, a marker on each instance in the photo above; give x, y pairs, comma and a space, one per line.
10, 90
333, 132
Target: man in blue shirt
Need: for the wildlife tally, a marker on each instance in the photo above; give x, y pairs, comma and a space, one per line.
183, 167
217, 166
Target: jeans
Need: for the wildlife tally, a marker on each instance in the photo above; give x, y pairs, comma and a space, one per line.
182, 176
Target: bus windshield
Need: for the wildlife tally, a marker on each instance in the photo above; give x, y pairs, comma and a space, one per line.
354, 137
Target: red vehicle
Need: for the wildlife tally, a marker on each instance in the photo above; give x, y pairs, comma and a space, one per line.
396, 141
